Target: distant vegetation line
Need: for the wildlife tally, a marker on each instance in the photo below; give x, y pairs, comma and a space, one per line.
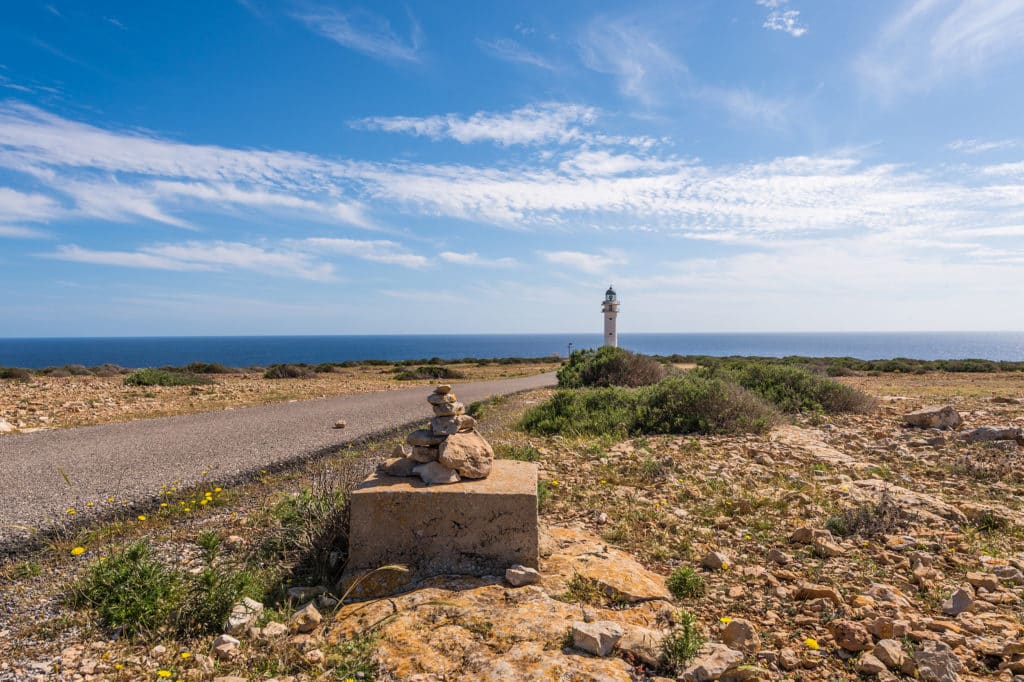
830, 366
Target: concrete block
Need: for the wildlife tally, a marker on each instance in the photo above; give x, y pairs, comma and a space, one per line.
473, 527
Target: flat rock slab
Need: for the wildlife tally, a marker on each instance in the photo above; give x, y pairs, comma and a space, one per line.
473, 527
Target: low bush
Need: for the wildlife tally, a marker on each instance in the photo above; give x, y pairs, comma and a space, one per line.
477, 409
681, 644
285, 371
792, 389
16, 373
685, 583
209, 368
135, 592
429, 372
609, 366
867, 519
161, 377
691, 403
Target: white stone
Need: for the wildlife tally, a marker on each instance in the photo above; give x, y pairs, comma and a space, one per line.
520, 575
598, 638
434, 473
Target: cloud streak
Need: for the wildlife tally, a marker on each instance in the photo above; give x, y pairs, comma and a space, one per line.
365, 32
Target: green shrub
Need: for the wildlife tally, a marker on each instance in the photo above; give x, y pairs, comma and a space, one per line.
161, 377
131, 590
209, 368
697, 403
134, 591
792, 389
685, 583
477, 409
580, 412
16, 373
681, 644
691, 403
429, 372
609, 366
285, 371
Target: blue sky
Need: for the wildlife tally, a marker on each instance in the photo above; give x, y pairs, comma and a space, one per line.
301, 167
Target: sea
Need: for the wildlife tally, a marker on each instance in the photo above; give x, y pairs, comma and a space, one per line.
248, 351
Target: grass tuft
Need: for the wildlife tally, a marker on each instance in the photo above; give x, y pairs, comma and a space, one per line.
684, 641
685, 583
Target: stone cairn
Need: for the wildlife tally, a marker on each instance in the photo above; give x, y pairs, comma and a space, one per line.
450, 450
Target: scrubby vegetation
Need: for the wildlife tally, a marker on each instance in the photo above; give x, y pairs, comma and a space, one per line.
685, 583
609, 366
135, 592
162, 377
846, 366
429, 372
683, 642
792, 389
286, 371
16, 373
692, 403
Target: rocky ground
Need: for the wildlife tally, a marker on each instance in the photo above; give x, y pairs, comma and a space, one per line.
834, 547
63, 402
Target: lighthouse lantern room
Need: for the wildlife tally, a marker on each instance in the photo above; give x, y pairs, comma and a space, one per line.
610, 311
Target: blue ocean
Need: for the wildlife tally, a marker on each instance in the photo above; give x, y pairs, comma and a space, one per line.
246, 351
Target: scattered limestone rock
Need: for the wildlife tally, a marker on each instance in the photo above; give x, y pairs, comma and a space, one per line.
305, 619
936, 662
715, 561
850, 635
243, 615
958, 602
225, 647
424, 454
424, 438
230, 678
825, 547
812, 591
642, 644
984, 434
934, 417
711, 663
6, 426
598, 638
986, 581
868, 664
777, 556
340, 424
741, 634
891, 653
519, 575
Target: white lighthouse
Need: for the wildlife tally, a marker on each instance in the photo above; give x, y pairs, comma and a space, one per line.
610, 311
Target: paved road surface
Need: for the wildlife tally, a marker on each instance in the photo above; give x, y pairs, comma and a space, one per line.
133, 459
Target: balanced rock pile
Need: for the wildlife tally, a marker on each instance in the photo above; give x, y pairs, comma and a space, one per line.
451, 449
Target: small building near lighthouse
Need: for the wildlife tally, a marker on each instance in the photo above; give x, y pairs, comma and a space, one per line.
610, 311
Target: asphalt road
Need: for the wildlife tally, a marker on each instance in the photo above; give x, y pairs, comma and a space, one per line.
131, 460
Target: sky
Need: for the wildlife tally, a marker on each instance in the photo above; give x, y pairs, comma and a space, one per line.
325, 167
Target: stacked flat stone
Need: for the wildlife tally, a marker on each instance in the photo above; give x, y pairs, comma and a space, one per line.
450, 450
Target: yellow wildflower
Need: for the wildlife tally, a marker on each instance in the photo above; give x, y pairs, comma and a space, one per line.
142, 517
725, 619
77, 550
118, 666
185, 654
71, 512
217, 490
554, 482
812, 643
110, 499
88, 504
163, 673
725, 565
188, 509
203, 502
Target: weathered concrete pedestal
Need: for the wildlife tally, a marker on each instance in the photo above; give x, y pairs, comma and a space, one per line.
473, 527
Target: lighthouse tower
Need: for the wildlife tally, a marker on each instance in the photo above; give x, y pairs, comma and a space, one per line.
610, 311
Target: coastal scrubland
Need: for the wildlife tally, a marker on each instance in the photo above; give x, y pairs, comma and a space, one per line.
824, 539
68, 396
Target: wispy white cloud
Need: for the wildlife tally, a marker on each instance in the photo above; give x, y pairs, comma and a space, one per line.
787, 21
589, 263
18, 232
981, 146
535, 124
927, 42
477, 260
630, 50
199, 256
512, 51
375, 251
365, 32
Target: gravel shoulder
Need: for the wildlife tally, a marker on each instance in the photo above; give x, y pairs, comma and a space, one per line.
47, 474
